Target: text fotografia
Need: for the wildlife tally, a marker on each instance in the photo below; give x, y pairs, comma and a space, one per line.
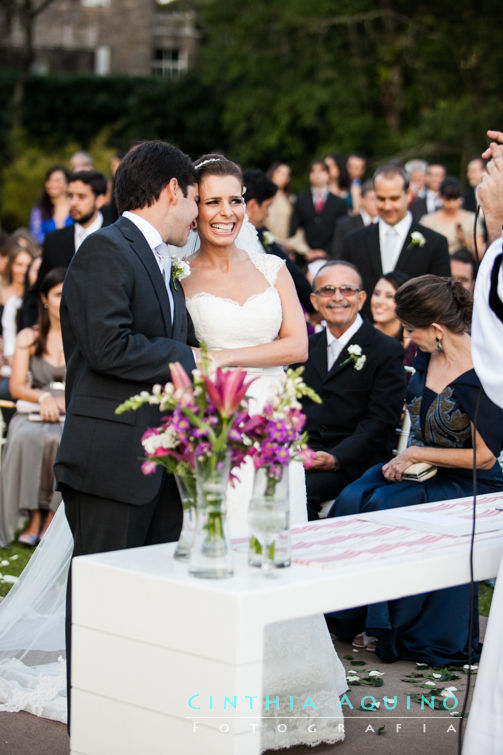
255, 704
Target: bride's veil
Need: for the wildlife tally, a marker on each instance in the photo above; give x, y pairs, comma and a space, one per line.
32, 629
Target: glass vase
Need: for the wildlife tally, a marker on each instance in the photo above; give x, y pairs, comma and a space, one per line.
211, 556
269, 520
187, 489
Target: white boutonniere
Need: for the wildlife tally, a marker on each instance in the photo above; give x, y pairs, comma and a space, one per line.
268, 238
355, 355
180, 269
417, 239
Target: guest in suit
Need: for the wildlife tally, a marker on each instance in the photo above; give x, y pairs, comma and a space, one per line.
430, 201
316, 212
260, 191
358, 373
474, 172
396, 242
366, 216
123, 322
86, 196
356, 166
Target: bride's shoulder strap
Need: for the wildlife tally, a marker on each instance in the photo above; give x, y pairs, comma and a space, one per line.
268, 264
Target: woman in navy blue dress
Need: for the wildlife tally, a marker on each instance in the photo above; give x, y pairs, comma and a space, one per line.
442, 399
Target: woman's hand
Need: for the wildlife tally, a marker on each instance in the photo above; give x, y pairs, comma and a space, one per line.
49, 408
394, 469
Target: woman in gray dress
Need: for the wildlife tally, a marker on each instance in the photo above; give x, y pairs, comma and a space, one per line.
38, 371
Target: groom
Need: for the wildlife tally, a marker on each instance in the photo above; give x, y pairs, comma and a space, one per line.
123, 322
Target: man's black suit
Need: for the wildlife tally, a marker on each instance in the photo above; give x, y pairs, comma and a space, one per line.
360, 409
342, 228
318, 227
362, 248
118, 340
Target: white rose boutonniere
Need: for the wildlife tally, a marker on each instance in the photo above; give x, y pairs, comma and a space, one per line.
417, 239
356, 356
180, 269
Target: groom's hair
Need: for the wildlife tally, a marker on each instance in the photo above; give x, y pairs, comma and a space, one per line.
258, 186
146, 170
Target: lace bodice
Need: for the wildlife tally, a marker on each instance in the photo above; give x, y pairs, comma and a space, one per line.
224, 323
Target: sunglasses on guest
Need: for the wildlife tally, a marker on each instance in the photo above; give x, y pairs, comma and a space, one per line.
346, 291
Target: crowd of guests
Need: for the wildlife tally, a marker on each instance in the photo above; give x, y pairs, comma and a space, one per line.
384, 268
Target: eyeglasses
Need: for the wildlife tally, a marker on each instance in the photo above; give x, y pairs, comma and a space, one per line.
346, 291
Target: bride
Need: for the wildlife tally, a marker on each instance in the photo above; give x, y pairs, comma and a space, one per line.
244, 306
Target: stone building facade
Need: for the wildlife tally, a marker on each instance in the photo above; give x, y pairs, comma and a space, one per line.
132, 37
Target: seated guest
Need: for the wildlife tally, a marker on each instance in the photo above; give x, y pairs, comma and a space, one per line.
464, 268
358, 373
453, 222
442, 399
383, 310
27, 480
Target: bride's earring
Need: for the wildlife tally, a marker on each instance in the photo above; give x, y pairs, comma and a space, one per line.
439, 344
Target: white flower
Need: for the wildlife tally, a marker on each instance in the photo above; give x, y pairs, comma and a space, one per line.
376, 673
355, 349
268, 238
466, 668
180, 269
448, 691
166, 439
429, 684
353, 678
437, 676
417, 238
359, 362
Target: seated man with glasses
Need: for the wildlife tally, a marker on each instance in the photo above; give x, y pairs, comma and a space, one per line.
358, 372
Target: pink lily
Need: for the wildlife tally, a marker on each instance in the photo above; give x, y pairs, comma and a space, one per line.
181, 383
228, 389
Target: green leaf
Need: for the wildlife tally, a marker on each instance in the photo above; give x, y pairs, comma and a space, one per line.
358, 663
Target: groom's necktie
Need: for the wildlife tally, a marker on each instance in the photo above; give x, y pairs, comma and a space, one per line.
163, 257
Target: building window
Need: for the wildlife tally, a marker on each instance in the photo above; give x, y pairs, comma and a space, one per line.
169, 62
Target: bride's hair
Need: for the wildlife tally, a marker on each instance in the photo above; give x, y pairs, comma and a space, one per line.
216, 165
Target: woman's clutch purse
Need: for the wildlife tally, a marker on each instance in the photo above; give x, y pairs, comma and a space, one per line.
419, 472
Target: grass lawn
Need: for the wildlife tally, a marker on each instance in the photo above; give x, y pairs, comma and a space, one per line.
14, 559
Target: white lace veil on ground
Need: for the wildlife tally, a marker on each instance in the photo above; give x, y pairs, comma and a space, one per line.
32, 622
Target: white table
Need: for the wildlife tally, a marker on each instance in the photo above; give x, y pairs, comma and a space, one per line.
147, 637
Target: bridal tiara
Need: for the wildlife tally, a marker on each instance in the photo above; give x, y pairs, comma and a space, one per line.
209, 160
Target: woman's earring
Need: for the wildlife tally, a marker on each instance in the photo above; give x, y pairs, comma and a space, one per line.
439, 344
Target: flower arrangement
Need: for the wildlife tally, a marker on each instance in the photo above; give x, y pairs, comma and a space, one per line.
202, 420
180, 269
356, 356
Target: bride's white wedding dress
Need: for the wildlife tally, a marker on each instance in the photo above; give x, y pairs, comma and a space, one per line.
299, 657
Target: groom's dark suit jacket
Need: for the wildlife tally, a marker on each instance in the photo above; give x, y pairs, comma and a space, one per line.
362, 248
118, 340
360, 409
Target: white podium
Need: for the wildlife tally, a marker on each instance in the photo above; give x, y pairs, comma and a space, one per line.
157, 652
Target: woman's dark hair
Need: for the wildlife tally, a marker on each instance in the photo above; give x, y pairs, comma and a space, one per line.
340, 160
53, 278
396, 278
15, 250
450, 188
272, 168
427, 299
45, 202
146, 170
216, 165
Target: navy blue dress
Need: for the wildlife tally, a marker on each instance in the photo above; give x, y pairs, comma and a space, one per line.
432, 627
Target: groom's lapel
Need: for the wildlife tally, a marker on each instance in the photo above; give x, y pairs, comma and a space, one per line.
146, 256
